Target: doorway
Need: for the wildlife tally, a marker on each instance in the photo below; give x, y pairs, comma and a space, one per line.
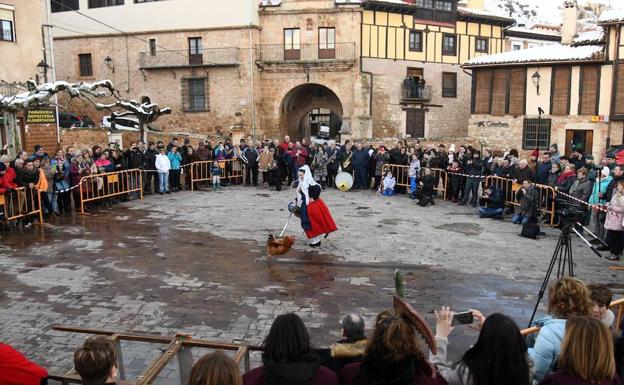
415, 123
579, 140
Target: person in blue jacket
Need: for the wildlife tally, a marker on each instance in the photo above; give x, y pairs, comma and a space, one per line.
174, 174
567, 297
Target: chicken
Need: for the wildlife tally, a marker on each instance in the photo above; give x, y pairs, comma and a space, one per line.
279, 246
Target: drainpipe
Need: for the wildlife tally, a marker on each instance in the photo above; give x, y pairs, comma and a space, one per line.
251, 61
51, 46
362, 72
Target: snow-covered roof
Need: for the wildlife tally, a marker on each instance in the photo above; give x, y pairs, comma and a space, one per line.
543, 54
589, 37
277, 3
612, 16
270, 3
341, 2
482, 12
534, 31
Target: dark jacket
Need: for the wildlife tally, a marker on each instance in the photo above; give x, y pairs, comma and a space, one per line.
562, 377
541, 172
581, 189
306, 371
134, 159
252, 157
566, 184
149, 160
380, 373
528, 202
24, 177
428, 184
522, 174
495, 201
609, 191
551, 178
360, 157
475, 167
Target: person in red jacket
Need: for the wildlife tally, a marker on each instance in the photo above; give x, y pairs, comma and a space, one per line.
15, 369
7, 178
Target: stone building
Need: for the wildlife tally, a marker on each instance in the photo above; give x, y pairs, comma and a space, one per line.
521, 37
275, 64
571, 94
413, 51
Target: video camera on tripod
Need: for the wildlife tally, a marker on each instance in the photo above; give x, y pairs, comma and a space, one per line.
569, 212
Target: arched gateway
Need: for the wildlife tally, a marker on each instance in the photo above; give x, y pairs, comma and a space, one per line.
308, 106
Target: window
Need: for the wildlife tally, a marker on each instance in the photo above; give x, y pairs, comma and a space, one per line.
560, 90
195, 51
481, 44
152, 47
589, 93
443, 5
6, 30
517, 91
424, 3
86, 65
64, 5
619, 91
448, 45
327, 43
482, 91
415, 41
499, 92
449, 85
104, 3
536, 133
292, 44
516, 47
195, 94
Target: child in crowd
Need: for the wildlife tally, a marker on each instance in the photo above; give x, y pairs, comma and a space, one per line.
216, 173
601, 298
96, 361
389, 183
275, 177
454, 180
426, 192
413, 173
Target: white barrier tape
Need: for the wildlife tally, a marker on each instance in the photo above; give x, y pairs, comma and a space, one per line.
466, 175
594, 207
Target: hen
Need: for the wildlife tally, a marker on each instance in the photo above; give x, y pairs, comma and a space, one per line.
279, 246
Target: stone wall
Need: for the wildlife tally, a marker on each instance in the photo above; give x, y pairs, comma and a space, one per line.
447, 117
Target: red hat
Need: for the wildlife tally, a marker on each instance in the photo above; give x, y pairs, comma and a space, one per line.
535, 153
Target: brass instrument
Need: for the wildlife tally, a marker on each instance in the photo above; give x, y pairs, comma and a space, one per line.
347, 162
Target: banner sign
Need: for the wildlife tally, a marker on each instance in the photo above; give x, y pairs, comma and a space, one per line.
41, 116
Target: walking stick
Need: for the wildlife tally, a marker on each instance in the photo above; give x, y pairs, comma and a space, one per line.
285, 226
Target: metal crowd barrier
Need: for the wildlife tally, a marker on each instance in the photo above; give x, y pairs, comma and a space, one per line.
545, 197
107, 185
20, 203
401, 174
178, 346
617, 304
231, 169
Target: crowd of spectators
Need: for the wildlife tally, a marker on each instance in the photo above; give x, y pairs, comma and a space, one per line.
577, 344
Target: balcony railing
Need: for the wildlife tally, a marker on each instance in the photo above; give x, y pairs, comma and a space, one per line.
411, 92
336, 52
209, 57
435, 15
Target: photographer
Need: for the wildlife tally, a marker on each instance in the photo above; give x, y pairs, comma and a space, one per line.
528, 197
492, 203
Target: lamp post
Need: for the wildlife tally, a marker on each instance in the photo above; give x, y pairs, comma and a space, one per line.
109, 63
43, 67
536, 80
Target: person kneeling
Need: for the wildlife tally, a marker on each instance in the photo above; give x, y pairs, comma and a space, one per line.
426, 193
389, 183
527, 196
492, 203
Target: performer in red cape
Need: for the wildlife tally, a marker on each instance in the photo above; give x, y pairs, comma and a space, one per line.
315, 217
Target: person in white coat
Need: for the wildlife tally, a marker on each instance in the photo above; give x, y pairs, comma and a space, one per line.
163, 165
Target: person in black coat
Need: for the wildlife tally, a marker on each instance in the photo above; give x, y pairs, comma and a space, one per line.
475, 171
149, 165
360, 162
427, 189
252, 156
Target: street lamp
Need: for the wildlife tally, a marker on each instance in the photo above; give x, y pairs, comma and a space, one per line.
109, 63
43, 67
536, 80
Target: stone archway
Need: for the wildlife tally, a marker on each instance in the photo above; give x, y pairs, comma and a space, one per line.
300, 101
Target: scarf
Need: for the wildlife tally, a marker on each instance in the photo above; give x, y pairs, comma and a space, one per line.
304, 185
565, 176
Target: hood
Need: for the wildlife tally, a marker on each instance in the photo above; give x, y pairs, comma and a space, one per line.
298, 372
348, 350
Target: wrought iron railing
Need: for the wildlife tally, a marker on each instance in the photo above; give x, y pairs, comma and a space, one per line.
209, 57
339, 52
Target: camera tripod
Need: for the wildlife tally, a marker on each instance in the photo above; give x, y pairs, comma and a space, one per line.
562, 257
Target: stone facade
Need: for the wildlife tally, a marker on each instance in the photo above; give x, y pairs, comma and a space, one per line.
446, 117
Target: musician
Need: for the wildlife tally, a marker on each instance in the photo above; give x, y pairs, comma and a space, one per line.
334, 162
345, 160
315, 216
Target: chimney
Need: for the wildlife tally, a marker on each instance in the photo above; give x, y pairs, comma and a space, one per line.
476, 4
568, 28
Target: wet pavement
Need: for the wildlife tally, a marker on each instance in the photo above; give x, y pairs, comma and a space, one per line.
195, 263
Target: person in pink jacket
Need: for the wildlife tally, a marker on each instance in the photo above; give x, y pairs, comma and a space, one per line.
614, 222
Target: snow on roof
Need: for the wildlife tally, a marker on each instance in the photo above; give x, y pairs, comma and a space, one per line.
482, 12
612, 16
534, 31
586, 37
270, 3
548, 53
340, 2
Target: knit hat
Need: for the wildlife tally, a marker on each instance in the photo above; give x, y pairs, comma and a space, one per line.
605, 171
535, 153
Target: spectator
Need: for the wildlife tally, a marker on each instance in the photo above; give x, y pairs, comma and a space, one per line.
360, 160
15, 369
351, 348
528, 197
188, 159
381, 158
600, 186
543, 168
216, 173
61, 181
251, 175
614, 223
566, 179
413, 173
492, 203
474, 171
499, 356
567, 297
389, 183
203, 152
581, 187
264, 164
174, 142
288, 357
522, 172
553, 174
333, 156
319, 164
427, 190
163, 165
175, 160
586, 355
554, 153
149, 161
39, 152
393, 356
618, 175
96, 361
601, 297
215, 369
455, 180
